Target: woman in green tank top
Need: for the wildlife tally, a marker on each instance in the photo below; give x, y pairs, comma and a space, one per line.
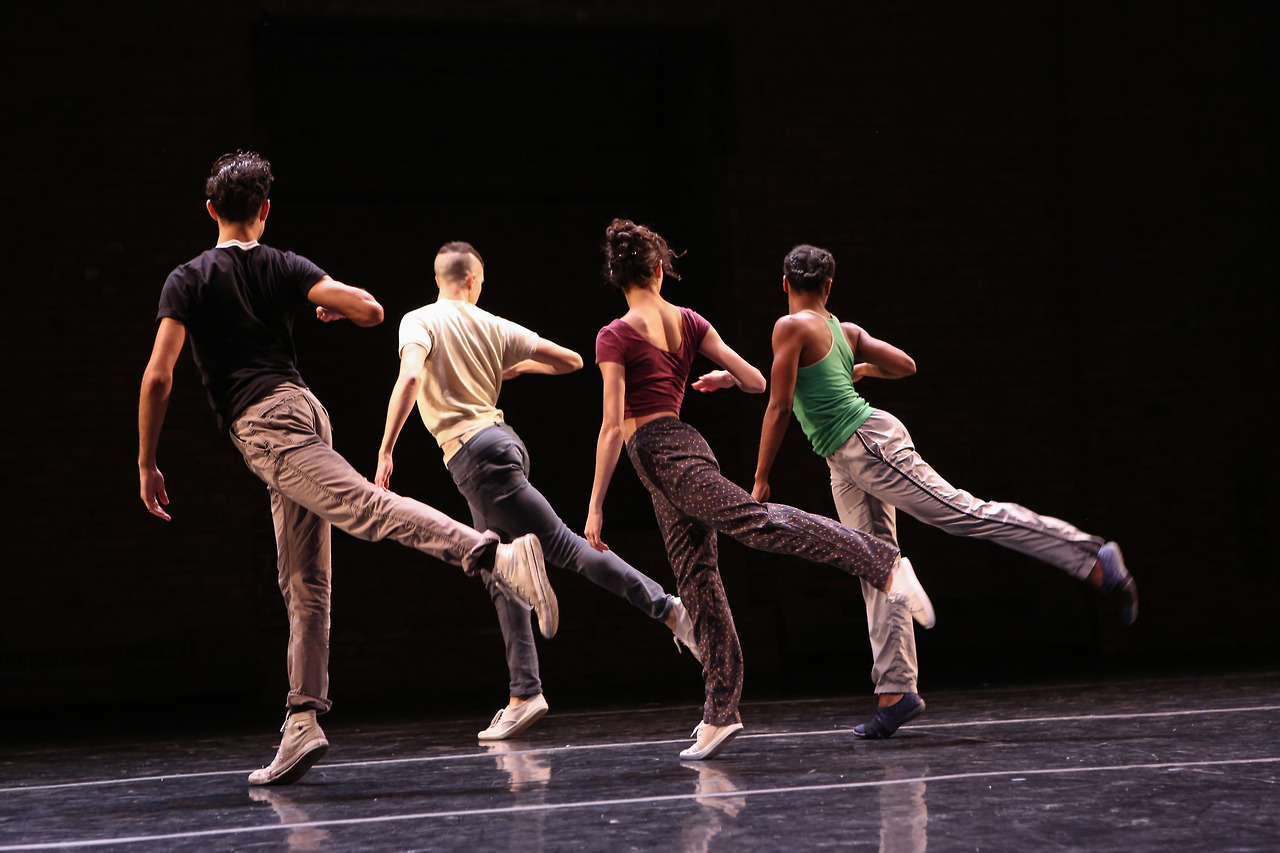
876, 470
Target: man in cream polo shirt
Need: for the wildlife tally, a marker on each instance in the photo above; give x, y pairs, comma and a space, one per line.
453, 359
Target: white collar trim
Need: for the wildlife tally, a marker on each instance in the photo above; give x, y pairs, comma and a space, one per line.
239, 244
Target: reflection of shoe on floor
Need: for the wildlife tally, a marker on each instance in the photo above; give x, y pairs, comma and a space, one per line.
710, 740
1118, 586
510, 722
889, 720
302, 746
712, 785
907, 584
522, 576
302, 838
684, 629
525, 769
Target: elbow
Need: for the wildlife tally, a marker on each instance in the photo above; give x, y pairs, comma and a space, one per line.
754, 384
908, 368
156, 383
574, 363
371, 315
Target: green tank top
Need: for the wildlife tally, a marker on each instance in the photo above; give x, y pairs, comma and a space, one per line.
827, 405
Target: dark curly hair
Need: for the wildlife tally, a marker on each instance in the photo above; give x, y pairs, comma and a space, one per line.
808, 268
238, 184
633, 253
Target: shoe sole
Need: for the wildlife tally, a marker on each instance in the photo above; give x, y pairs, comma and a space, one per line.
1123, 596
525, 721
304, 761
545, 604
925, 615
714, 748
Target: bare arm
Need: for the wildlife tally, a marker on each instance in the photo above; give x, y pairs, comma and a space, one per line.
549, 357
338, 301
880, 359
608, 446
737, 370
788, 341
153, 403
403, 396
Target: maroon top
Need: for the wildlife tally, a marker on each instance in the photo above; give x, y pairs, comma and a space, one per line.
655, 378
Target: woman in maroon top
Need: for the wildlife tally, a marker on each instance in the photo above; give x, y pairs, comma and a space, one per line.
645, 358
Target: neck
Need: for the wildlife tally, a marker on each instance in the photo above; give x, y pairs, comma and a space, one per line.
799, 301
245, 232
458, 293
643, 296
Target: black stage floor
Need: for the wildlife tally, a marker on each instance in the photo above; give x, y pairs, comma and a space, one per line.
1151, 763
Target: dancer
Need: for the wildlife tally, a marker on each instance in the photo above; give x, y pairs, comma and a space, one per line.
875, 469
454, 357
237, 301
644, 359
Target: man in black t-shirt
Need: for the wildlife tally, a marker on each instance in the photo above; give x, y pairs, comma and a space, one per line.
237, 302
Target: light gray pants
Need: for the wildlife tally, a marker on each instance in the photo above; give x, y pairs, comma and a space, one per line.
286, 440
877, 471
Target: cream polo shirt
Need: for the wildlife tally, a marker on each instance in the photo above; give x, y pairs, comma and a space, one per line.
467, 350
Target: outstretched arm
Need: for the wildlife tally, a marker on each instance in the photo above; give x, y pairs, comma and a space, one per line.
608, 446
880, 359
403, 396
153, 403
549, 357
737, 370
337, 301
787, 344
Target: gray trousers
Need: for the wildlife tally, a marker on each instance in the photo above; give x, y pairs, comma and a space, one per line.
287, 441
492, 473
879, 470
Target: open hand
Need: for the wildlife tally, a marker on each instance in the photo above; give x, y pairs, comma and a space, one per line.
151, 482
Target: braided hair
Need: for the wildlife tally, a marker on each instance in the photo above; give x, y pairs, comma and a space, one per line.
808, 268
633, 254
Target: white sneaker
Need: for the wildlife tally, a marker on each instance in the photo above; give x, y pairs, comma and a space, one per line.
906, 584
710, 740
522, 576
684, 629
510, 722
302, 746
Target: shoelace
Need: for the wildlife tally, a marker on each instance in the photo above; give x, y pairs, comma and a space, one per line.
496, 718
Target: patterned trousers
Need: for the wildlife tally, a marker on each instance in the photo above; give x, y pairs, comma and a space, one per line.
694, 503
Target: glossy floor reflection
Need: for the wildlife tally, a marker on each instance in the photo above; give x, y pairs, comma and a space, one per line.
1158, 763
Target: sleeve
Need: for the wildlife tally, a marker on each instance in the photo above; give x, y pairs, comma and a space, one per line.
609, 347
518, 343
696, 327
301, 271
175, 298
414, 331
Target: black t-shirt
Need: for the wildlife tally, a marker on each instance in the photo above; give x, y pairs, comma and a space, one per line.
238, 307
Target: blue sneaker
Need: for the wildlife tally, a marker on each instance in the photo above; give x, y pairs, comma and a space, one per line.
889, 720
1118, 586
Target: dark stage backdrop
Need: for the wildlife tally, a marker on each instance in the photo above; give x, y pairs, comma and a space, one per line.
1066, 214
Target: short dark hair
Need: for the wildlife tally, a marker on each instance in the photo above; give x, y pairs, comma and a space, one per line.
238, 184
633, 254
459, 268
809, 268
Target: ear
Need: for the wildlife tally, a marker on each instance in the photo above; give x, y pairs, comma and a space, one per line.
264, 210
208, 205
786, 286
